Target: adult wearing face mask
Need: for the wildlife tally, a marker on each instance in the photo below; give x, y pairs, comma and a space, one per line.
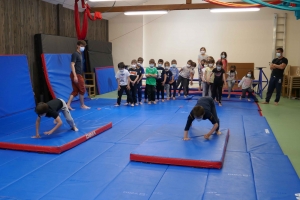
76, 76
277, 66
204, 109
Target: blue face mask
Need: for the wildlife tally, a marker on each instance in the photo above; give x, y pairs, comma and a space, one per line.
151, 65
219, 68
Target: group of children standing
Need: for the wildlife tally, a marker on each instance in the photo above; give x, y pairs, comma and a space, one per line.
166, 78
212, 79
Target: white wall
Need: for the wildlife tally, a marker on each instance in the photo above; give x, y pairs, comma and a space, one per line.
246, 37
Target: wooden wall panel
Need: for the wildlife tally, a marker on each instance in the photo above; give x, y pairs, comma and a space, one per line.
20, 20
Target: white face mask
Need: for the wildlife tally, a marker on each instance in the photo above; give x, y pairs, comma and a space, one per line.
159, 65
173, 65
133, 66
219, 68
205, 65
249, 75
167, 67
202, 52
188, 65
82, 49
121, 70
151, 65
222, 56
211, 65
278, 54
199, 119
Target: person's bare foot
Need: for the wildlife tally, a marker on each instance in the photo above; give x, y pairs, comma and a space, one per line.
220, 104
218, 132
149, 102
265, 102
154, 102
162, 100
249, 100
185, 139
276, 103
174, 98
36, 136
75, 128
85, 107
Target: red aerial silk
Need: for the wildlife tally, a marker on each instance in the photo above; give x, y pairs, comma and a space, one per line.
81, 34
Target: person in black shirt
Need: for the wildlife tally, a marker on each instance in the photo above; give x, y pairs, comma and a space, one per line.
141, 70
277, 66
160, 80
76, 76
52, 109
219, 81
134, 77
204, 109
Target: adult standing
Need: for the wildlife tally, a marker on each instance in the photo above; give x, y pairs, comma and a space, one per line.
202, 56
76, 76
277, 66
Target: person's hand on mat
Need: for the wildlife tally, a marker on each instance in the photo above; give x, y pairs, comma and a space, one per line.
75, 79
218, 132
48, 132
186, 135
206, 136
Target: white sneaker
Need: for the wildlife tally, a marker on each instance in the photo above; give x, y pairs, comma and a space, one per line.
136, 104
141, 103
125, 104
132, 105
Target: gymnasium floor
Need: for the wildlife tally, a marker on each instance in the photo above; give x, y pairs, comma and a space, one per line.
254, 166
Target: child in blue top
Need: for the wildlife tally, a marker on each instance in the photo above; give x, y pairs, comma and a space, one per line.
175, 73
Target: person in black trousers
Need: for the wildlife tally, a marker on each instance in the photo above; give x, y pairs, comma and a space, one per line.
218, 83
160, 81
277, 66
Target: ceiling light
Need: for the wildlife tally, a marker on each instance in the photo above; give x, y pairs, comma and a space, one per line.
218, 10
159, 12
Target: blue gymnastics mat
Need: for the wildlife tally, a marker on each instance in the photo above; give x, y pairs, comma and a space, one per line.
57, 74
16, 132
259, 136
16, 91
106, 80
274, 176
168, 147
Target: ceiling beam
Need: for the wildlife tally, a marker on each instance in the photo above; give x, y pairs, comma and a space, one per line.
157, 7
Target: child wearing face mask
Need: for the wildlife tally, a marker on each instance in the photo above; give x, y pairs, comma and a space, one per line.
209, 77
246, 84
123, 79
203, 83
219, 81
160, 80
151, 75
200, 74
173, 82
224, 60
134, 77
169, 79
184, 75
231, 79
204, 109
141, 70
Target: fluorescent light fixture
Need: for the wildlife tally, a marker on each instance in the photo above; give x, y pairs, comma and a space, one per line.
218, 10
158, 12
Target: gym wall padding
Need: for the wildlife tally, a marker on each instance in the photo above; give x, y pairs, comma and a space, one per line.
16, 93
57, 73
106, 81
50, 44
